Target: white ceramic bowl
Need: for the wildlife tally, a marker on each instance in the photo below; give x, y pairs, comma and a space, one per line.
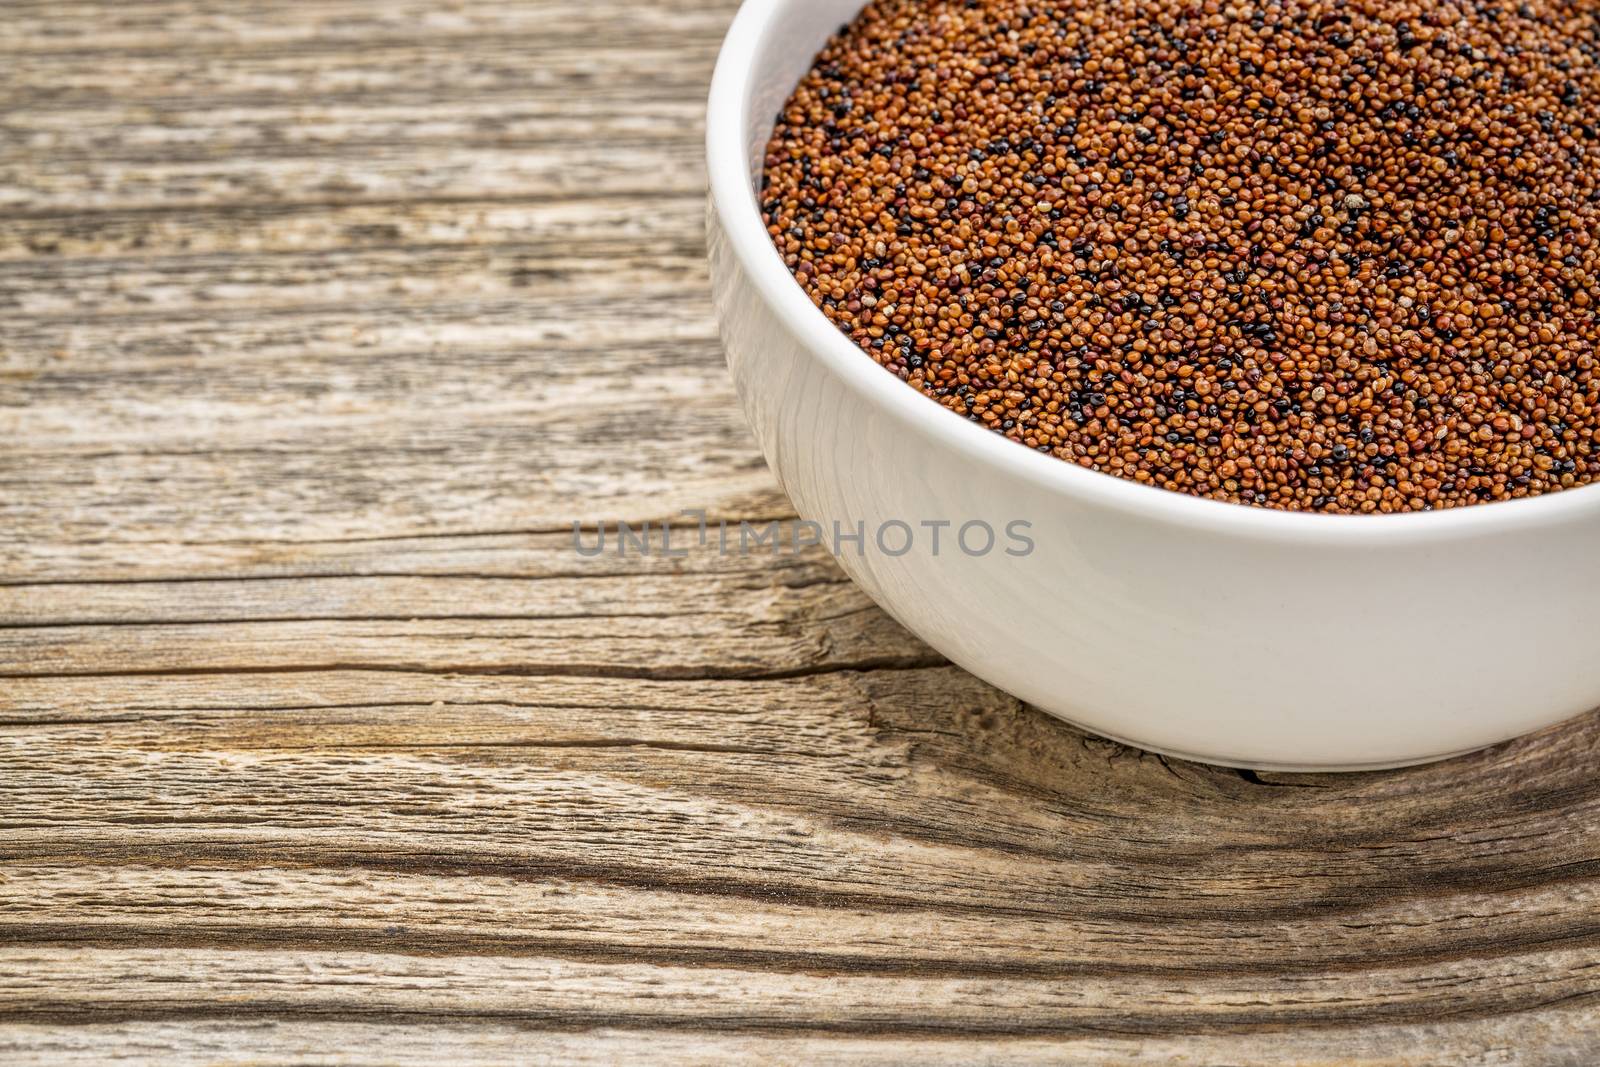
1212, 631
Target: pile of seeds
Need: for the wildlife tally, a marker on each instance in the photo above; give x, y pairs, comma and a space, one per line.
1302, 254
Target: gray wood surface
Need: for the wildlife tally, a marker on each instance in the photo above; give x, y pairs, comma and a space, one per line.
318, 743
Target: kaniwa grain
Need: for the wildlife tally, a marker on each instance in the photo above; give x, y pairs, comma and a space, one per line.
1306, 255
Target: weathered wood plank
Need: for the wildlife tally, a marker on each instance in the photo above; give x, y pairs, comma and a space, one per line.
928, 758
538, 224
527, 555
342, 26
636, 626
156, 984
206, 1041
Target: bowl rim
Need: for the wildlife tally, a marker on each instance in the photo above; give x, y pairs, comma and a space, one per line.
734, 201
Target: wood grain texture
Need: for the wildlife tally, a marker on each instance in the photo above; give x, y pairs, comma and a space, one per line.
319, 743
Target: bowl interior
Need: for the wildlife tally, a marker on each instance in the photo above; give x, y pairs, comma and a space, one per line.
782, 53
770, 47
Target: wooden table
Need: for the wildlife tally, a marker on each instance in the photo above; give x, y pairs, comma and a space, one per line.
324, 321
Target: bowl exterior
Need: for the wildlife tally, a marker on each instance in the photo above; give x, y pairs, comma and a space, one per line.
1264, 651
1187, 626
